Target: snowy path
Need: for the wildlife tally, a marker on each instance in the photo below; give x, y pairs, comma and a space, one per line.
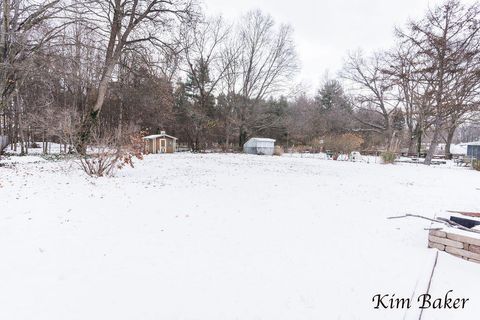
187, 236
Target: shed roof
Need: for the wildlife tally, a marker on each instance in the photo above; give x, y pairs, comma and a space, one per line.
161, 135
262, 139
476, 143
259, 142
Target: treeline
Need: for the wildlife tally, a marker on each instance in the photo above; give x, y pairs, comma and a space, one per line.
71, 70
75, 70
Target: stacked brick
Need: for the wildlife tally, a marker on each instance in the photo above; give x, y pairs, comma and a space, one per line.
462, 246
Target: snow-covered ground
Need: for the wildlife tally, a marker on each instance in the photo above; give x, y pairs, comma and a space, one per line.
227, 236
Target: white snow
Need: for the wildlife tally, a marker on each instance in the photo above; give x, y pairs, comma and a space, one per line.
227, 236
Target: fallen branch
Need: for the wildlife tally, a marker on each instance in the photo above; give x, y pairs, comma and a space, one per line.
447, 222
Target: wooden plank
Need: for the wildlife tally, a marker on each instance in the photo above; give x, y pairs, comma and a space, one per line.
445, 241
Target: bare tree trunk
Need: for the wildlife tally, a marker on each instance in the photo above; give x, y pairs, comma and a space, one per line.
448, 143
91, 118
120, 122
242, 137
4, 53
44, 143
227, 137
19, 111
15, 131
413, 136
434, 143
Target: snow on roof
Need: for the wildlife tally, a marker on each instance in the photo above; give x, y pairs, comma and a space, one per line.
259, 143
161, 135
458, 149
475, 143
262, 139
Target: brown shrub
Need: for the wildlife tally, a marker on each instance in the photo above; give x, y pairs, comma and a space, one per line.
278, 151
105, 156
476, 165
343, 143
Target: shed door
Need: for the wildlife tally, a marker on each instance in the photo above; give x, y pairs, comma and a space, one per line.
163, 145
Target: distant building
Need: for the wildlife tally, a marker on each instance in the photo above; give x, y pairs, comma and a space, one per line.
473, 150
3, 142
262, 146
160, 143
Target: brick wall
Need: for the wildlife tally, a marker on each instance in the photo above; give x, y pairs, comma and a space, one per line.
461, 246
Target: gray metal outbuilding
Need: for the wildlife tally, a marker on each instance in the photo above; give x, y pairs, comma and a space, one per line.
3, 142
473, 150
262, 146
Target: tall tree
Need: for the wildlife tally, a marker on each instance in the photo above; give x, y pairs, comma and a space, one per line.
443, 41
123, 24
372, 89
20, 38
266, 62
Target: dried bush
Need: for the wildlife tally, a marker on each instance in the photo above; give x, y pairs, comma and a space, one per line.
105, 156
278, 151
388, 157
317, 145
300, 149
476, 165
343, 143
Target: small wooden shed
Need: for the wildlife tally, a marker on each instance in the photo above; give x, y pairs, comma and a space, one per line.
160, 143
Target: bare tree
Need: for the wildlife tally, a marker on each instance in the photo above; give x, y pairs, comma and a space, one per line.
123, 24
205, 66
443, 41
23, 32
266, 62
412, 89
464, 101
373, 96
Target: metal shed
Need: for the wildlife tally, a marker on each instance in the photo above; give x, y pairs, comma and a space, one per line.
473, 150
263, 146
3, 142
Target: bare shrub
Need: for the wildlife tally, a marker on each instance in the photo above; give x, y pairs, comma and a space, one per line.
317, 145
300, 149
344, 143
278, 151
104, 156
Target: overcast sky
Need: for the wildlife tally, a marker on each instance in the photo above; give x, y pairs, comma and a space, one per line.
325, 30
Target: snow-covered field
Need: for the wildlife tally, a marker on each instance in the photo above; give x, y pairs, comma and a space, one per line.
223, 236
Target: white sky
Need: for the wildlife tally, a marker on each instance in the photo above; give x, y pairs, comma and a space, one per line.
325, 30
